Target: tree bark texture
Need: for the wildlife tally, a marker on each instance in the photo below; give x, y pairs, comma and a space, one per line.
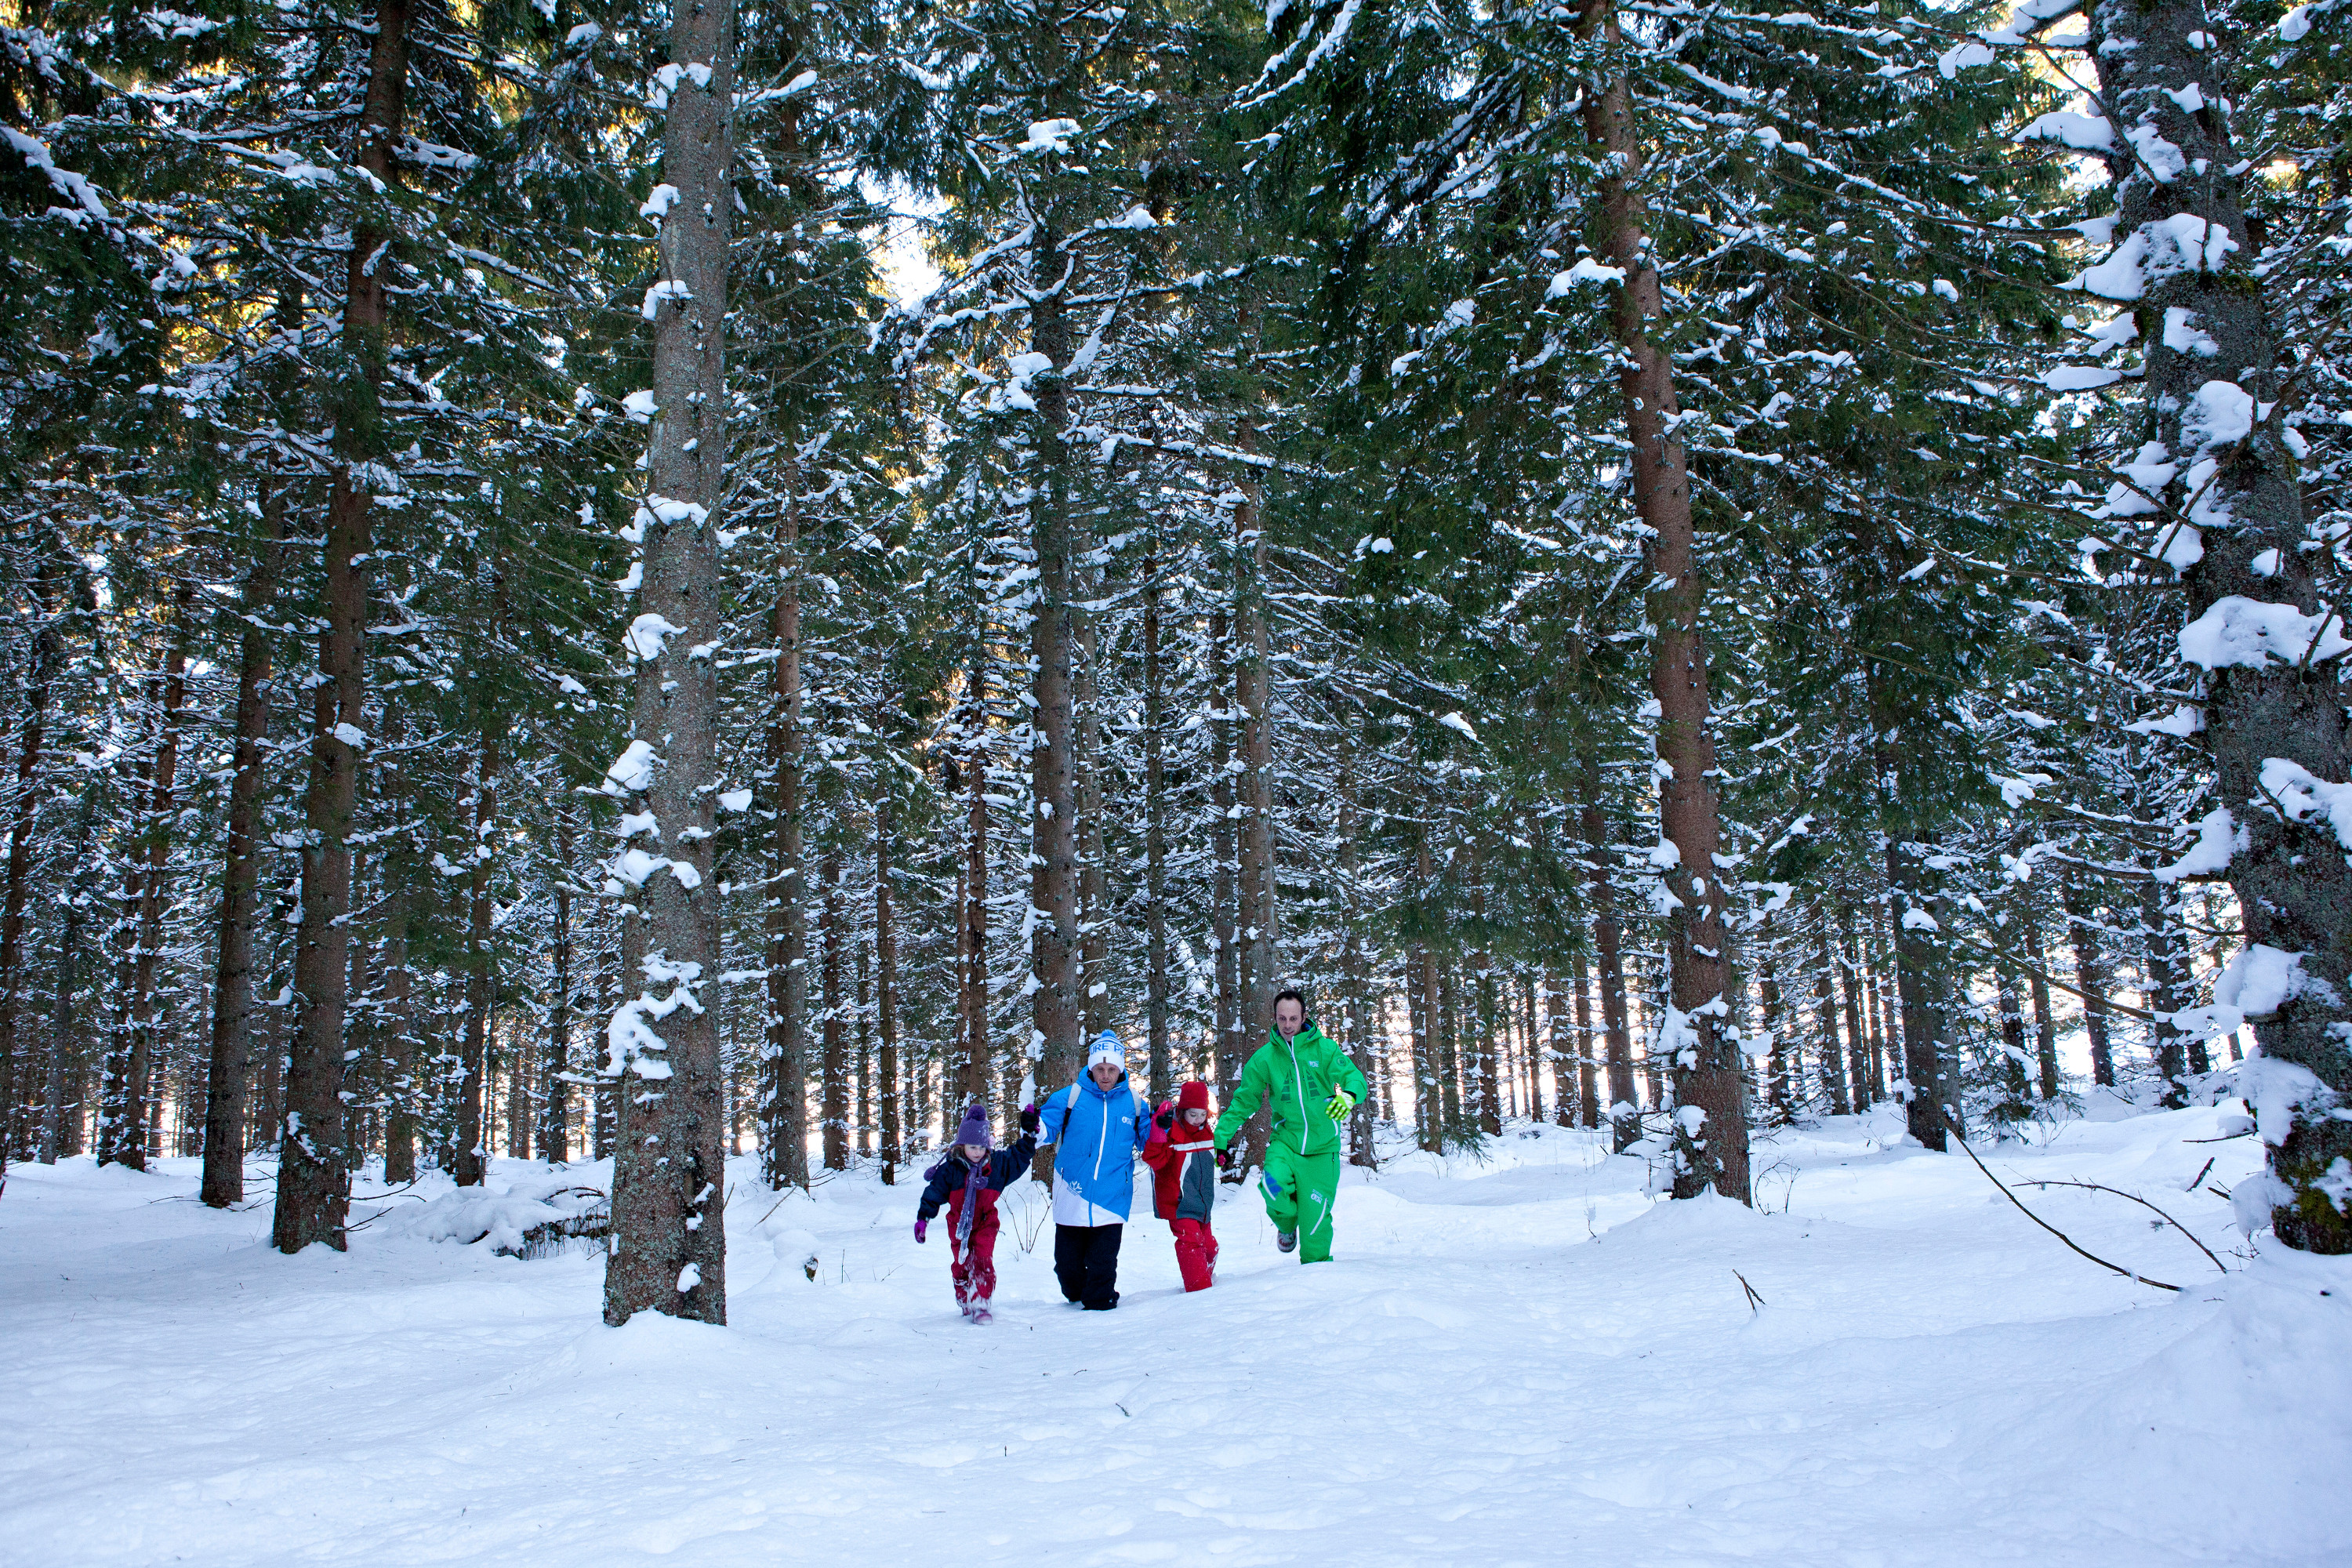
554, 1133
885, 983
1929, 1095
669, 1239
783, 1088
1223, 908
1055, 1013
1421, 1002
231, 1060
833, 1057
1607, 945
1155, 838
1094, 901
58, 1134
1834, 1074
481, 963
124, 1136
1253, 695
2275, 725
971, 919
48, 658
313, 1183
1706, 1063
398, 865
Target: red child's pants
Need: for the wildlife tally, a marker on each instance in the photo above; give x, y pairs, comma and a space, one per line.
974, 1267
1196, 1252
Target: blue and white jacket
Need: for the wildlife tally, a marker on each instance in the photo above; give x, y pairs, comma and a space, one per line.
1096, 1135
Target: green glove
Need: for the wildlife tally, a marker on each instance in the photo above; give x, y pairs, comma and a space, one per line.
1341, 1103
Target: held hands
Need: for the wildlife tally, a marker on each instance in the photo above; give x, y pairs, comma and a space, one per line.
920, 1226
1225, 1158
1342, 1103
1166, 1119
1029, 1118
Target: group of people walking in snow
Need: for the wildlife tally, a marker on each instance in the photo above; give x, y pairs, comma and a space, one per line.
1100, 1126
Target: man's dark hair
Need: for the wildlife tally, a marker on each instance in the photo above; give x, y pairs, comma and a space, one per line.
1289, 993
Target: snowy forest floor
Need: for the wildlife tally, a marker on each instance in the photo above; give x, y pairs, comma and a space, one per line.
1514, 1359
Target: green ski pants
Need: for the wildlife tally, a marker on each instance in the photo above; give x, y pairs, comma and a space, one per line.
1299, 1192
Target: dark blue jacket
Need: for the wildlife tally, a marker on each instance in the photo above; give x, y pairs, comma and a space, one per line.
944, 1180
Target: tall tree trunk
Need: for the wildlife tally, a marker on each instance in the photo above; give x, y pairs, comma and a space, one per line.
554, 1131
518, 1106
1882, 1023
274, 1030
1929, 1095
1566, 1105
402, 1091
1588, 1070
2275, 726
1478, 1061
363, 1050
862, 1141
55, 1134
1449, 1048
1355, 1025
2045, 1029
481, 963
604, 1117
1857, 1033
130, 1065
2091, 976
1486, 1079
2169, 985
885, 983
971, 1083
1537, 1042
231, 1061
48, 657
833, 1060
1707, 1064
1420, 999
147, 1062
1055, 1015
1094, 901
1608, 957
1767, 991
1253, 696
1833, 1056
1224, 913
670, 1219
1155, 834
2015, 1055
313, 1183
784, 1086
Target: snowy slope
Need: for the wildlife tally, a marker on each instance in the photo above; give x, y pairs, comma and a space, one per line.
1516, 1360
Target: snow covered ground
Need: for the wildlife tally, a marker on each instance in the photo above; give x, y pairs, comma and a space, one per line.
1521, 1360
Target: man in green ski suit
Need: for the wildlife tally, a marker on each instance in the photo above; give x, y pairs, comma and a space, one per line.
1310, 1087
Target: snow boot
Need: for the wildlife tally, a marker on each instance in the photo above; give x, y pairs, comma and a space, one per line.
1286, 1240
981, 1314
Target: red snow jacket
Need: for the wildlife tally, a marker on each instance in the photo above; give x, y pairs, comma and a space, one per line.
1183, 1158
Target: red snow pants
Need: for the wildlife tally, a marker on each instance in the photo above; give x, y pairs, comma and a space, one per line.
1196, 1252
974, 1266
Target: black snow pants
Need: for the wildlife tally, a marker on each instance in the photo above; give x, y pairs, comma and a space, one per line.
1085, 1260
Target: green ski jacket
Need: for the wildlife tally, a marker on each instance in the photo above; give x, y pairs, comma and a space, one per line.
1295, 1080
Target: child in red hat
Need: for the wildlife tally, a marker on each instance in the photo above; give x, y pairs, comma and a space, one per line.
1182, 1154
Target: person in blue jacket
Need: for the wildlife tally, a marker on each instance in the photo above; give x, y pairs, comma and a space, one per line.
1096, 1127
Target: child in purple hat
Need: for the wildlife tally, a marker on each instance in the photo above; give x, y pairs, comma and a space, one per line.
967, 1181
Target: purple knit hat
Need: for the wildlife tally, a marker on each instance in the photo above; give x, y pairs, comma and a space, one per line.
974, 1128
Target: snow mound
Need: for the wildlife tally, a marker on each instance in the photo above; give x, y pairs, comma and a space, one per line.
505, 1212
